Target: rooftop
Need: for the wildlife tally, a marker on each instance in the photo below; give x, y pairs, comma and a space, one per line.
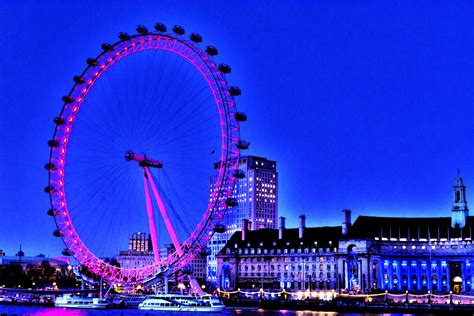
408, 227
268, 238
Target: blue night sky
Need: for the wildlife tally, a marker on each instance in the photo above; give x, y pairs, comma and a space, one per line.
366, 105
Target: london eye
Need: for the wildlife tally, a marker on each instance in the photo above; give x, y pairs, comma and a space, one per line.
142, 130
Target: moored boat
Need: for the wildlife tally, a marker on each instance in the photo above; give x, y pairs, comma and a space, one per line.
183, 303
128, 301
70, 301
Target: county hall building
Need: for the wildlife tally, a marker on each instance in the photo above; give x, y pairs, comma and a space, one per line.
373, 253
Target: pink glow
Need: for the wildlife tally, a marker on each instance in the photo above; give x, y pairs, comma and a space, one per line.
229, 131
151, 220
163, 212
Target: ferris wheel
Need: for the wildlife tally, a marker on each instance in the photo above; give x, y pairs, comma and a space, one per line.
148, 139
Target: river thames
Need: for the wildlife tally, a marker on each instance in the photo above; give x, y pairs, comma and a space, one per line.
50, 311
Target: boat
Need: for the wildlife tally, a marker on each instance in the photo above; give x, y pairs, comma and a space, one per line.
182, 303
128, 301
70, 301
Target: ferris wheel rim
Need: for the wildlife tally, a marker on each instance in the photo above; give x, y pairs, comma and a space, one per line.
228, 161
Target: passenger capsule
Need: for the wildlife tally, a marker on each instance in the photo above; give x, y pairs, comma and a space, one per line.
49, 189
160, 27
59, 120
225, 68
242, 144
195, 37
142, 29
124, 36
50, 212
92, 62
50, 166
239, 174
240, 116
178, 29
106, 47
211, 50
67, 99
235, 91
53, 143
231, 202
57, 233
66, 252
78, 79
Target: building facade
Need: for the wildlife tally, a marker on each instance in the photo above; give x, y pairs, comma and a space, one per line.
396, 254
410, 254
140, 242
257, 198
293, 259
140, 254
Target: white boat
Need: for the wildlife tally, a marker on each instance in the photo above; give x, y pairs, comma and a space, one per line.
183, 303
128, 301
70, 301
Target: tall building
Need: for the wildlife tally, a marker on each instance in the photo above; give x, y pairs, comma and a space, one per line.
257, 197
139, 253
140, 242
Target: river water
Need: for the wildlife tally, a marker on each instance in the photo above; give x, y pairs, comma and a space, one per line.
51, 311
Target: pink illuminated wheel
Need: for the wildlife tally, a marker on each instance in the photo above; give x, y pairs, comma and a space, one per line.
144, 128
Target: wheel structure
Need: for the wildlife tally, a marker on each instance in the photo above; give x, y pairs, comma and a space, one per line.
152, 112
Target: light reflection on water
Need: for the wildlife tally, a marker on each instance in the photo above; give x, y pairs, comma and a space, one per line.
51, 311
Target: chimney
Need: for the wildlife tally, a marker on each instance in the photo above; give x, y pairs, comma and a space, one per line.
302, 226
245, 228
346, 221
281, 228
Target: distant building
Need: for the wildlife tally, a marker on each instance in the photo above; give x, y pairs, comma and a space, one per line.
2, 253
58, 262
140, 254
257, 197
140, 242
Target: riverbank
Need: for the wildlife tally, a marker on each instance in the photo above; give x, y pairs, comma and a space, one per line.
362, 307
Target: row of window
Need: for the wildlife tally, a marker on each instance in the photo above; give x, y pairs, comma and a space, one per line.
286, 267
278, 251
293, 276
288, 259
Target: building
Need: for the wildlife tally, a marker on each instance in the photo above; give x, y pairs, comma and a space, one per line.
294, 259
414, 254
140, 254
257, 197
396, 254
410, 254
57, 262
140, 242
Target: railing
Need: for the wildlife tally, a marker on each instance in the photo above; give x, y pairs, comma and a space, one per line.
384, 297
